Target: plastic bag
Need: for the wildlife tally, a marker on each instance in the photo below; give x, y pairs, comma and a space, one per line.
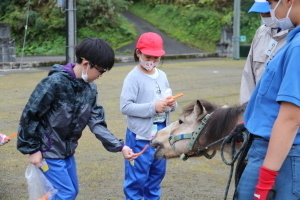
39, 187
164, 95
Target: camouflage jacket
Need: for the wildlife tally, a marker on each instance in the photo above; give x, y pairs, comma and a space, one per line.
58, 110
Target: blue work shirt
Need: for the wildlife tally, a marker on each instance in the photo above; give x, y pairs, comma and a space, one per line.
280, 82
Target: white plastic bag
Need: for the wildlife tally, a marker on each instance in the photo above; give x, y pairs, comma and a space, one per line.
164, 95
39, 187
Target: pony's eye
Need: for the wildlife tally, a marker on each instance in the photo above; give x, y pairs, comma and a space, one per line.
180, 121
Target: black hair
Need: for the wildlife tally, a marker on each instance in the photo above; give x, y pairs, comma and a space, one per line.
136, 59
97, 51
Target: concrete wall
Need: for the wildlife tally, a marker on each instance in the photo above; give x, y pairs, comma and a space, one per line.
224, 48
7, 44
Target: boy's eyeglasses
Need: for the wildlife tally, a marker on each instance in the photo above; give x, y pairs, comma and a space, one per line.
100, 71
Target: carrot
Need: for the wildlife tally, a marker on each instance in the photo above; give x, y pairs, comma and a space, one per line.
144, 149
45, 197
12, 135
176, 96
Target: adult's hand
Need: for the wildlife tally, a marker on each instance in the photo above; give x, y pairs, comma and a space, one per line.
237, 133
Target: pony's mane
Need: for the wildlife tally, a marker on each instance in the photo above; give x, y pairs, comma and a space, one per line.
222, 121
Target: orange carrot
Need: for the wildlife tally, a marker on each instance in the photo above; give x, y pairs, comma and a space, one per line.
45, 197
144, 149
12, 135
176, 96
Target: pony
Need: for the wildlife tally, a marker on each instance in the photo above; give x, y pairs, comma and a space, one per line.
197, 131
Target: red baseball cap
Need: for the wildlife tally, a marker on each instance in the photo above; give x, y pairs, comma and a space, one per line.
150, 44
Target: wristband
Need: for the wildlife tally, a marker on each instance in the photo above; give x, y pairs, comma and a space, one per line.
121, 147
266, 178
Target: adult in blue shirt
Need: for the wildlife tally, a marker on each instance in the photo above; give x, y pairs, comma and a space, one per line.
273, 118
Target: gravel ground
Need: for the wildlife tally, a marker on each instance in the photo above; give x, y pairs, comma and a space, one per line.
101, 172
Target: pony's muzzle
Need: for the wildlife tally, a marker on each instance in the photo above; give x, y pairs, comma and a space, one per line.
156, 144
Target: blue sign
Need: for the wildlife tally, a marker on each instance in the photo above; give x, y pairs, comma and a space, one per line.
243, 38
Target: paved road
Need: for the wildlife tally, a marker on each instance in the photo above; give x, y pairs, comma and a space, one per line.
171, 45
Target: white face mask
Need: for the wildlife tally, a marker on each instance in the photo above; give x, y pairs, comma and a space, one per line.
269, 22
284, 23
148, 65
85, 76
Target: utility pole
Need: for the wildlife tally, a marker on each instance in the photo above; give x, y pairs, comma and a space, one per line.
236, 30
71, 39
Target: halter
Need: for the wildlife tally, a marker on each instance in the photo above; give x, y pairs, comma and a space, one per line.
193, 139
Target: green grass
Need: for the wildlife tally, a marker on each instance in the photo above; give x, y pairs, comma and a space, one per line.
101, 172
199, 29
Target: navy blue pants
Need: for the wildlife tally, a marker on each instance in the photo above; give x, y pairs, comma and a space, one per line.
143, 175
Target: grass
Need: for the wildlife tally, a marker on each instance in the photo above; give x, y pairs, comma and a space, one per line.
101, 172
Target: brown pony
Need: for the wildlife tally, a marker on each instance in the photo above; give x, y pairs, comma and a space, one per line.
200, 125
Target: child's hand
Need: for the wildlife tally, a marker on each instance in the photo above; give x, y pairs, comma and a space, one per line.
171, 102
3, 139
36, 159
160, 106
128, 153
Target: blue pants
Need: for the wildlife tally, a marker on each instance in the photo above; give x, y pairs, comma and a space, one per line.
287, 181
63, 176
143, 175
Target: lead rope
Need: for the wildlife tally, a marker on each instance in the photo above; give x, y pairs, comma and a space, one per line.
234, 155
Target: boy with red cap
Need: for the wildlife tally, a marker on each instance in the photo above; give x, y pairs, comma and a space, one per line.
145, 102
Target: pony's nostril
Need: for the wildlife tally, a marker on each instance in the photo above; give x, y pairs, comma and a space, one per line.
155, 144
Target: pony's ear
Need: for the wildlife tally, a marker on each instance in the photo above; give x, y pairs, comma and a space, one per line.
225, 106
199, 110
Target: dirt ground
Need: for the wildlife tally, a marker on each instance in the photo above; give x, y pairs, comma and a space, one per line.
101, 172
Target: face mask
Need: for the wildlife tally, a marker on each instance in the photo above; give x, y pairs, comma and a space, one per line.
269, 22
284, 23
85, 76
148, 65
